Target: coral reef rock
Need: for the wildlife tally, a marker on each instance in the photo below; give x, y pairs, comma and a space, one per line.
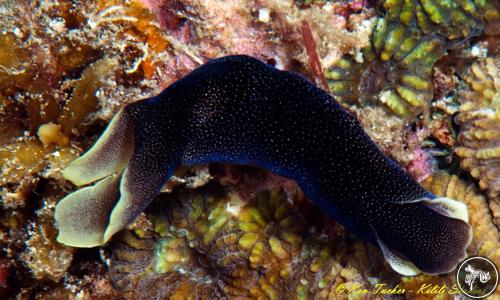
67, 66
407, 41
478, 143
46, 258
210, 242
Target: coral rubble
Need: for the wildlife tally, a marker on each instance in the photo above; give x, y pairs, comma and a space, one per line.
46, 258
65, 66
56, 67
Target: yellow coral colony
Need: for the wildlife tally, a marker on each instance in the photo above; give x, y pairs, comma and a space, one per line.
478, 144
219, 245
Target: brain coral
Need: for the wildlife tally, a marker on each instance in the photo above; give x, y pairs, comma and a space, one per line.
479, 118
213, 243
450, 18
396, 69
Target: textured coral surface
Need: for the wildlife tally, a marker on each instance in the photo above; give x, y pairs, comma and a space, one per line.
213, 242
422, 77
479, 118
396, 69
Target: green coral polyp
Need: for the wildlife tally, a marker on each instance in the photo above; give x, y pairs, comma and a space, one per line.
451, 18
416, 82
407, 55
405, 46
379, 33
411, 96
406, 15
392, 42
394, 102
393, 7
433, 11
170, 253
424, 56
407, 42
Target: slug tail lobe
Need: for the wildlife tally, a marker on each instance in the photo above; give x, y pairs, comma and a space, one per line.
141, 181
429, 235
109, 155
82, 216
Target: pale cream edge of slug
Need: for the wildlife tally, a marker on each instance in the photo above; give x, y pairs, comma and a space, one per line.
109, 154
83, 216
452, 208
442, 205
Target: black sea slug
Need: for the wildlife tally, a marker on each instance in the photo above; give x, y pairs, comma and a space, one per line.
239, 110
